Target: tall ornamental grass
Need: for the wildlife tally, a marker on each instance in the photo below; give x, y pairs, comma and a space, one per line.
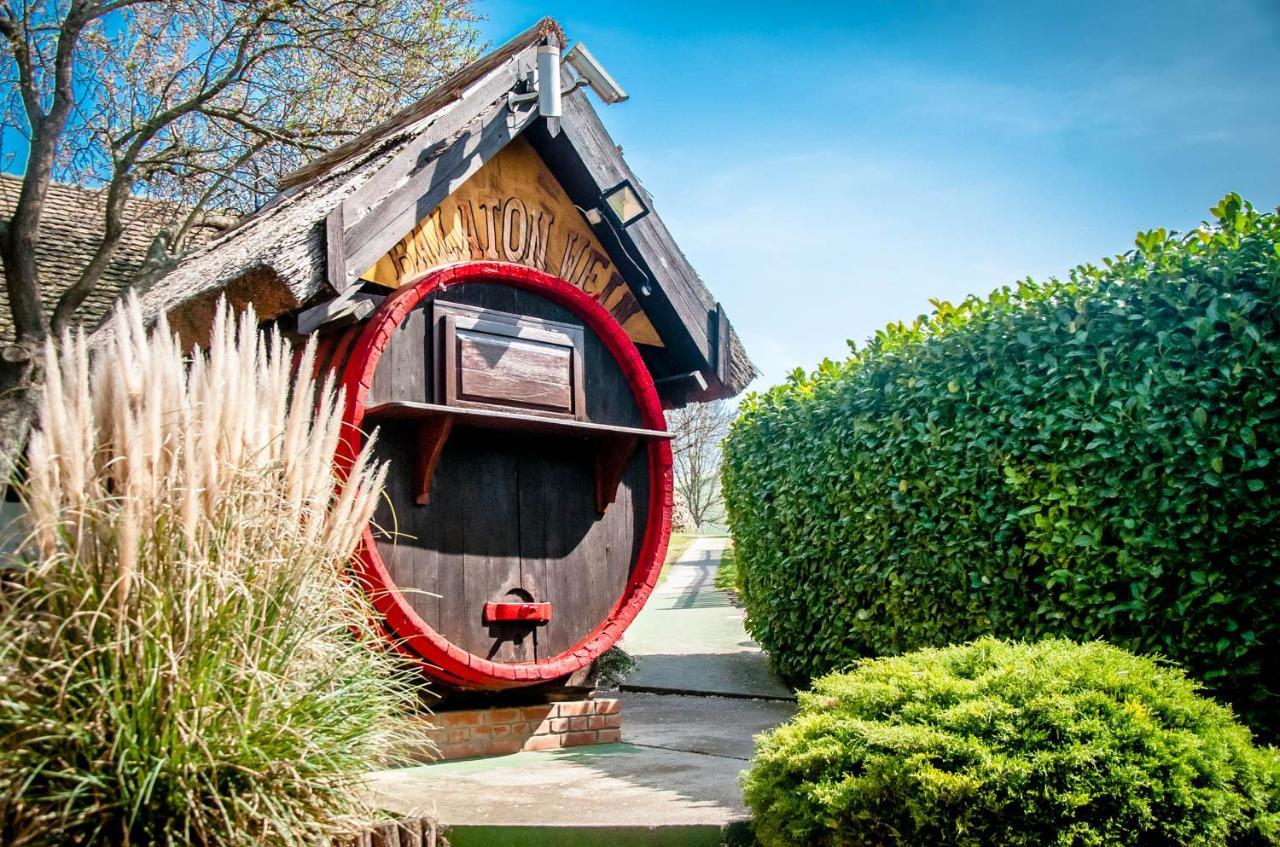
182, 659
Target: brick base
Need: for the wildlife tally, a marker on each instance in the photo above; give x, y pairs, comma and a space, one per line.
548, 726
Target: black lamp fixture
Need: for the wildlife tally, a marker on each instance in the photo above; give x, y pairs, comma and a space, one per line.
623, 204
620, 207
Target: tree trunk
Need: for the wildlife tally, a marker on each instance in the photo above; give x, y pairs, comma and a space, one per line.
19, 391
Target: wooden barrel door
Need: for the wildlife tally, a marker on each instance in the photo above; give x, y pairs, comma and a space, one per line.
528, 500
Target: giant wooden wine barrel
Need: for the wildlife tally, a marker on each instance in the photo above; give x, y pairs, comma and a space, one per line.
528, 503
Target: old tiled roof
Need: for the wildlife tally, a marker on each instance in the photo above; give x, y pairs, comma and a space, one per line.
70, 231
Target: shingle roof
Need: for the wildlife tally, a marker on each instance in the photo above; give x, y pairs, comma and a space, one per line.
70, 231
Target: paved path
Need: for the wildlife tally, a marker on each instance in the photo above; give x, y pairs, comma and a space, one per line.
676, 770
690, 638
673, 780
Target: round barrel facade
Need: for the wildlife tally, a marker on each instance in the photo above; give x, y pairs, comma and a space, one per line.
528, 498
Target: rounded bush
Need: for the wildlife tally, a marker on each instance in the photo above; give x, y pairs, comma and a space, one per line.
998, 743
1090, 458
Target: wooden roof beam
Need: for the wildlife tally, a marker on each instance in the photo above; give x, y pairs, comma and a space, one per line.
715, 349
383, 210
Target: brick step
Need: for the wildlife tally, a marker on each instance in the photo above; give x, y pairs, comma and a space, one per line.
467, 733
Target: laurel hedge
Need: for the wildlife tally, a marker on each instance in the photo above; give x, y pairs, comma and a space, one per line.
1090, 457
993, 744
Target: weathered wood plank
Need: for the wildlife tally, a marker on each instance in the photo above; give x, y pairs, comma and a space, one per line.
453, 475
491, 538
571, 546
335, 240
345, 309
536, 501
367, 238
408, 533
511, 421
401, 374
516, 384
411, 833
722, 348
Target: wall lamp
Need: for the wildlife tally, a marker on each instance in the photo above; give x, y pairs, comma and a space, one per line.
621, 206
624, 204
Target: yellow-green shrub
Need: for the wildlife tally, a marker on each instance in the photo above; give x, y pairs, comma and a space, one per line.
995, 744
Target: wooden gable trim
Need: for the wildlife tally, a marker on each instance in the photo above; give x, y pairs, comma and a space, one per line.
723, 351
377, 215
463, 138
678, 293
453, 89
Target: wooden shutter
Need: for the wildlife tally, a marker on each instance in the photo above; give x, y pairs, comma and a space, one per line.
496, 360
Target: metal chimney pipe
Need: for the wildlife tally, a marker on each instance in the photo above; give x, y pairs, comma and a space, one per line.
549, 81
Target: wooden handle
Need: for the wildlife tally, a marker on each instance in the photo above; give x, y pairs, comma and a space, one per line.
527, 612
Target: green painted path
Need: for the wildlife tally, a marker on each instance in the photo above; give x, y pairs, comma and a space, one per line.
690, 639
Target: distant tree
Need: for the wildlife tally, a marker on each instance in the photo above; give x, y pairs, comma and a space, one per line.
681, 518
205, 103
699, 429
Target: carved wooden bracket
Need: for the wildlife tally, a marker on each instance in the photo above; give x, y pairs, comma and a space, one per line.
612, 456
433, 433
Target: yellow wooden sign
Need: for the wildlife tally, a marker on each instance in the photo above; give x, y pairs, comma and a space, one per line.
514, 210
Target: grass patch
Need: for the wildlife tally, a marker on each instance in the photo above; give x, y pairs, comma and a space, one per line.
727, 573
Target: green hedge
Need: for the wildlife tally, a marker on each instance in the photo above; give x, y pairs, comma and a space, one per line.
1013, 745
1090, 457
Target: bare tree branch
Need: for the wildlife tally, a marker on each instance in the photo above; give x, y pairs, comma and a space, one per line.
699, 430
203, 105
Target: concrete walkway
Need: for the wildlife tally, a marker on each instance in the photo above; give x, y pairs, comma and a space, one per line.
673, 780
690, 637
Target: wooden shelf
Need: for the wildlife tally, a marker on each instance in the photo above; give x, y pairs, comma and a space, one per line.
613, 445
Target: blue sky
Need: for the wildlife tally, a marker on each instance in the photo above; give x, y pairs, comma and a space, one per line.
828, 169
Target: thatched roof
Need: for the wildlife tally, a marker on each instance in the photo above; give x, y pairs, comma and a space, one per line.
278, 258
410, 121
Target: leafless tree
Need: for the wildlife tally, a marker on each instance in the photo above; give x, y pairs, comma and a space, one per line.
699, 430
204, 103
